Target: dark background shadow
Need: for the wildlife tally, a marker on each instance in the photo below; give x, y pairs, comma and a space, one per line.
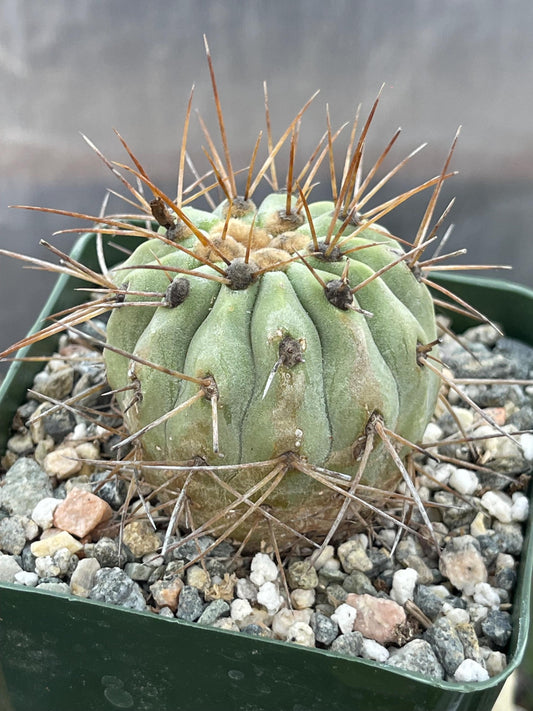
88, 66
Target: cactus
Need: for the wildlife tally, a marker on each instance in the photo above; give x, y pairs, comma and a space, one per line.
275, 365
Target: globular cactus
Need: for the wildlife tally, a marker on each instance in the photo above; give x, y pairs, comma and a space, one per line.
277, 359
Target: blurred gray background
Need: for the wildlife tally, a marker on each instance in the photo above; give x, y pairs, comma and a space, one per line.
87, 66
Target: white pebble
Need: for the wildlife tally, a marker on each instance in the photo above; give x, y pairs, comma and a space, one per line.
526, 440
301, 633
403, 585
285, 619
498, 505
30, 580
43, 512
327, 554
432, 433
456, 615
268, 596
344, 616
374, 650
263, 569
484, 594
520, 507
301, 598
469, 670
464, 481
240, 609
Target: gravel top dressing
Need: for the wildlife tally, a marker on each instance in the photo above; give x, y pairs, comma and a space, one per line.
71, 526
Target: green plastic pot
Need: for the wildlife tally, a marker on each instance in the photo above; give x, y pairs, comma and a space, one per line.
60, 653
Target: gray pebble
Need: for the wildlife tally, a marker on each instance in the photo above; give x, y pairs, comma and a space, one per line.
138, 571
350, 644
325, 629
256, 631
302, 575
428, 602
113, 586
114, 490
446, 644
417, 656
214, 611
27, 559
8, 568
511, 536
57, 385
359, 583
25, 484
58, 424
456, 512
505, 578
54, 586
15, 531
497, 626
190, 604
490, 546
106, 553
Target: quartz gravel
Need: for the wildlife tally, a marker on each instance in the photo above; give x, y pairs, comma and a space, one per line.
396, 600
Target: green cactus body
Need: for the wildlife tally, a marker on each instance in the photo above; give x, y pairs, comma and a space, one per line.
296, 377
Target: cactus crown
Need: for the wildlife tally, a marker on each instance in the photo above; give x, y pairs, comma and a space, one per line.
273, 364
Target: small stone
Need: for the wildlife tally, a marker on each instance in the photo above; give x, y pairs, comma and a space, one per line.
284, 619
417, 656
302, 634
455, 615
485, 594
214, 611
520, 507
432, 433
327, 554
140, 572
358, 583
510, 536
25, 484
325, 629
353, 556
428, 602
167, 592
111, 489
345, 616
62, 463
350, 644
197, 577
268, 596
141, 538
495, 663
240, 610
331, 572
15, 531
190, 604
480, 525
301, 598
403, 585
43, 513
21, 444
83, 577
57, 384
526, 441
498, 505
302, 575
497, 626
464, 481
461, 562
263, 569
27, 579
505, 578
246, 590
113, 586
225, 623
81, 512
469, 640
377, 618
446, 644
106, 553
469, 670
51, 544
374, 650
8, 569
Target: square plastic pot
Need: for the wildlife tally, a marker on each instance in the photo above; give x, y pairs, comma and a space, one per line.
60, 653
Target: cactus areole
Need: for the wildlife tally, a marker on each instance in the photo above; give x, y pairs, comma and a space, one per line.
281, 343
